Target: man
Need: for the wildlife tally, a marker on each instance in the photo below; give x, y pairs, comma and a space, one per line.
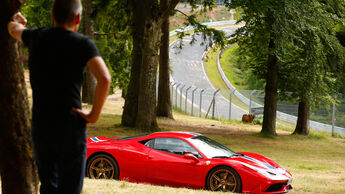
57, 60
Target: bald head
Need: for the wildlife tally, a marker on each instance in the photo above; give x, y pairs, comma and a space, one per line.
64, 11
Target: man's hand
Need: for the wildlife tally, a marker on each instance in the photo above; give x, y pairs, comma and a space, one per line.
86, 115
17, 26
18, 17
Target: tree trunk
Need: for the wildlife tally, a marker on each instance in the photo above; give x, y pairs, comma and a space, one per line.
271, 94
146, 118
17, 166
130, 111
89, 84
164, 101
302, 126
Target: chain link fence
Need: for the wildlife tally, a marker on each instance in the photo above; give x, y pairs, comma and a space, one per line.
225, 104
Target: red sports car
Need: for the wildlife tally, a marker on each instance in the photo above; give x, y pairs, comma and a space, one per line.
184, 159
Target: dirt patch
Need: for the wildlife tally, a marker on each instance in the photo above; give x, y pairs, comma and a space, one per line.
224, 130
116, 98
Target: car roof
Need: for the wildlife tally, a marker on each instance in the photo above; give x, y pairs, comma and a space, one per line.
172, 134
177, 134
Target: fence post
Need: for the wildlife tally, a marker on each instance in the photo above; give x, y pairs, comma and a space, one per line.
250, 101
231, 103
200, 102
181, 97
185, 104
178, 85
333, 118
172, 94
209, 108
214, 102
193, 101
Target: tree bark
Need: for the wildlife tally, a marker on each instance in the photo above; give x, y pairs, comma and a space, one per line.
164, 101
17, 167
89, 84
302, 126
130, 111
146, 118
271, 94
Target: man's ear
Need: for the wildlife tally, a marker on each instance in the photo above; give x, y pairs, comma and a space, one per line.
77, 19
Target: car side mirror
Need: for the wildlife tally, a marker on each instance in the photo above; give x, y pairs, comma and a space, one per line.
190, 156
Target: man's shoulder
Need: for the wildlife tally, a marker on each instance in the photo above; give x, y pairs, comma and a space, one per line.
80, 37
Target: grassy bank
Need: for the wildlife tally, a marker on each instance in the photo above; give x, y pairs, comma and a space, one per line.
210, 65
228, 62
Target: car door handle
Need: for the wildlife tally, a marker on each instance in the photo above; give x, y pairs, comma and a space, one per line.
149, 156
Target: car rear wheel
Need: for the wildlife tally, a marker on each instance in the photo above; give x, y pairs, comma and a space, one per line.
102, 167
224, 179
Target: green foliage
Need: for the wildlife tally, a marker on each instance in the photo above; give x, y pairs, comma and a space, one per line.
340, 69
111, 24
210, 36
258, 120
304, 43
310, 53
37, 12
116, 54
238, 13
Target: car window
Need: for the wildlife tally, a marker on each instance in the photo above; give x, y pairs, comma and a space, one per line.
148, 143
174, 146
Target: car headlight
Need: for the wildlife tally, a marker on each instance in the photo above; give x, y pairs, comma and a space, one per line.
269, 174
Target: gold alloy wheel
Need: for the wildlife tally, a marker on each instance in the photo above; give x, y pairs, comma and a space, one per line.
223, 180
102, 168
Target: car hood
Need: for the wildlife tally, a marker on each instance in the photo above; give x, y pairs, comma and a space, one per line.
260, 163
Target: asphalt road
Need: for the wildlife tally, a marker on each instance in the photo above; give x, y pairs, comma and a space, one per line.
187, 69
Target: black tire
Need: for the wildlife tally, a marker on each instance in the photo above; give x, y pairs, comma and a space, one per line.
224, 178
102, 166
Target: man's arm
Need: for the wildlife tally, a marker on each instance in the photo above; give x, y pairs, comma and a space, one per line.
17, 26
97, 66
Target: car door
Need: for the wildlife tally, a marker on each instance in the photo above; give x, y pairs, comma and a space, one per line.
168, 166
134, 159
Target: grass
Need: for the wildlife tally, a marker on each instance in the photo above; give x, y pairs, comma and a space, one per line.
96, 186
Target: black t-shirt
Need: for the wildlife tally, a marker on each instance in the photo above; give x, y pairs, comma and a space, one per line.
57, 60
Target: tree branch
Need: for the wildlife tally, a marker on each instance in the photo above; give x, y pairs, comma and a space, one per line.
115, 34
182, 13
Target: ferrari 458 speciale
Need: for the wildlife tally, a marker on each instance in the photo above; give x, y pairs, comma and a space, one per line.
184, 159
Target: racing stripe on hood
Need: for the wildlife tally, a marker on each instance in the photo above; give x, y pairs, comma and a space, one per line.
263, 164
95, 139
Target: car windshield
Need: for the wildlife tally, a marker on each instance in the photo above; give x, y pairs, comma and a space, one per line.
210, 147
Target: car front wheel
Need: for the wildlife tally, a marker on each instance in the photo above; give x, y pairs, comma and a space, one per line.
102, 167
224, 179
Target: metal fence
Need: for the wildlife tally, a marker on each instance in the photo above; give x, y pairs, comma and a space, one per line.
223, 104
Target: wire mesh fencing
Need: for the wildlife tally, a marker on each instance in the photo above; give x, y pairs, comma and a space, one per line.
224, 104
